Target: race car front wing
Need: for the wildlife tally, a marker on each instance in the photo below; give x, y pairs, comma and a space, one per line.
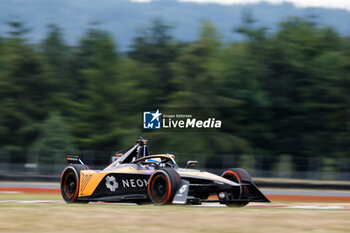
219, 193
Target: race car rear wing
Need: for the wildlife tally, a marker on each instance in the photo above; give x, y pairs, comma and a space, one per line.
72, 159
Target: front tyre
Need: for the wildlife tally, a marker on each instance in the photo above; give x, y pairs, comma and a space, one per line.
237, 175
162, 186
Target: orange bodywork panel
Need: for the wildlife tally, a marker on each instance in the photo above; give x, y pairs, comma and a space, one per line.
90, 179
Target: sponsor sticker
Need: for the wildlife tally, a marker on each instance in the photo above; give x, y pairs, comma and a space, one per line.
113, 185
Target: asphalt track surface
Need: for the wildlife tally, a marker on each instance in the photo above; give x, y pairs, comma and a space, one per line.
296, 195
55, 188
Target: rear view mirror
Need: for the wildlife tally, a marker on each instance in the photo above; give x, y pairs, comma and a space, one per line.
113, 159
191, 163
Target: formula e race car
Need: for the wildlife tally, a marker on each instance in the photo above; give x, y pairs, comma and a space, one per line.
135, 176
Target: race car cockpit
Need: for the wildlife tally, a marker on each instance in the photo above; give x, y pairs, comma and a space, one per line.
138, 155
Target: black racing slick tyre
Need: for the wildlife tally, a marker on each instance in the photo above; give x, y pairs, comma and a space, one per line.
162, 186
70, 180
237, 175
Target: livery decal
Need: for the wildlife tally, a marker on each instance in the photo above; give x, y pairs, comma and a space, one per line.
120, 184
84, 181
111, 183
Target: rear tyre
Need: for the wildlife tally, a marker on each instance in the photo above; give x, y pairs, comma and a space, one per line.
238, 175
162, 186
70, 180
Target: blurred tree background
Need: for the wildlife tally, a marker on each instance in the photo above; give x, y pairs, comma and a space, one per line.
89, 96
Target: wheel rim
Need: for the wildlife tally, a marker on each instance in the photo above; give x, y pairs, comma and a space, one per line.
233, 178
69, 185
159, 188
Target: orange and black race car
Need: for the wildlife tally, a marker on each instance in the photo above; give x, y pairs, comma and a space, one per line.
136, 176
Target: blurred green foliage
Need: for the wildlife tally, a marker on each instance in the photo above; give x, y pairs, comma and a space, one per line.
89, 96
